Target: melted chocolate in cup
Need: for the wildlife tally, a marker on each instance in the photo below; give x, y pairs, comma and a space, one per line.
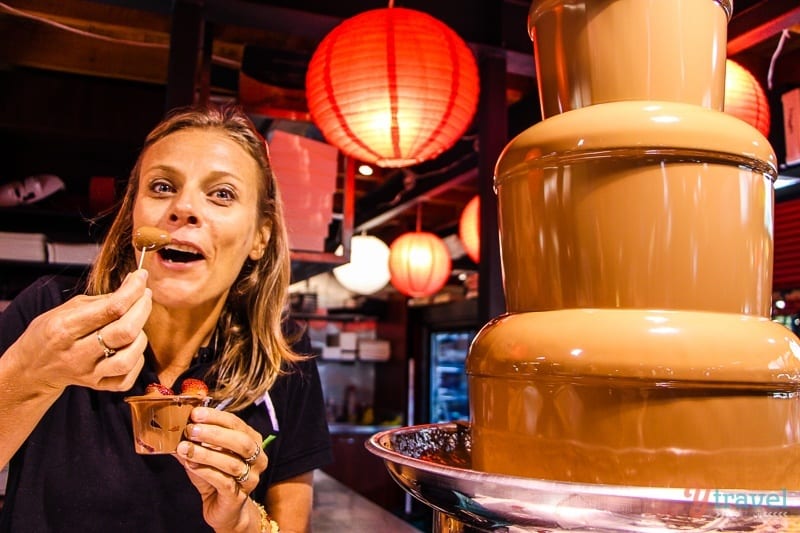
159, 421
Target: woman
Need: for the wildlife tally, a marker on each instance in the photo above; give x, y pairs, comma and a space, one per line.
208, 306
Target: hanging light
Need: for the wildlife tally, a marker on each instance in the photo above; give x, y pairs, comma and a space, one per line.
419, 263
392, 86
744, 97
368, 269
469, 228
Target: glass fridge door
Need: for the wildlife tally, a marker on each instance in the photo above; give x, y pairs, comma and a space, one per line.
449, 400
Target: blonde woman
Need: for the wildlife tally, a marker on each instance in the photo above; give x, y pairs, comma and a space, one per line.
207, 306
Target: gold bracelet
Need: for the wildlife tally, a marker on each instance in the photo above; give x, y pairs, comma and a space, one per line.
268, 525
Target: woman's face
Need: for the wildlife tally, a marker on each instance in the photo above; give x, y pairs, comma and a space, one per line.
202, 187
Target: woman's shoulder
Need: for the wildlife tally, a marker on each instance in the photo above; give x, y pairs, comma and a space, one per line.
50, 291
40, 296
296, 334
298, 370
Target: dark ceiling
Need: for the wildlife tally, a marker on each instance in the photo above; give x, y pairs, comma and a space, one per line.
272, 41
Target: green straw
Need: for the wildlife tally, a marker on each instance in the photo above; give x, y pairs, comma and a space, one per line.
266, 442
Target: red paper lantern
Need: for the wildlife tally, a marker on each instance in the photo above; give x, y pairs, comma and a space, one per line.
469, 228
392, 86
419, 263
744, 97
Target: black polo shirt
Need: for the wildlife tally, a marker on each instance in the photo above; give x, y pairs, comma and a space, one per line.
78, 470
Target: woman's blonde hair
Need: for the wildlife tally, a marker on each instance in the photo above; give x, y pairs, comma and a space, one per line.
253, 345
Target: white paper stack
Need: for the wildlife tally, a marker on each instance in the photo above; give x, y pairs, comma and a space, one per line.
22, 246
348, 341
335, 353
374, 350
306, 173
72, 253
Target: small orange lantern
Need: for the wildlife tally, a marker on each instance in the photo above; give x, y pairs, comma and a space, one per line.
469, 228
392, 86
744, 97
419, 263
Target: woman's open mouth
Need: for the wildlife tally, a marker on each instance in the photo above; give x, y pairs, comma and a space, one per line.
176, 253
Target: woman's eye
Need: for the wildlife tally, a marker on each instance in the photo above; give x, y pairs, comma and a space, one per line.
161, 187
224, 194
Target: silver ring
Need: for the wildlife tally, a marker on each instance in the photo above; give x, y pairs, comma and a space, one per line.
108, 352
241, 479
252, 459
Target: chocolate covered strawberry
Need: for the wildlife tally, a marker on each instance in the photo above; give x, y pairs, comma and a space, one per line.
195, 387
158, 388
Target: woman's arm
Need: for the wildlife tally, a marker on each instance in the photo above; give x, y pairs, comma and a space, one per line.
23, 402
60, 348
289, 503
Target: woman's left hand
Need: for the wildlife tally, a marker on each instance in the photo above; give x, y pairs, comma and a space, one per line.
224, 460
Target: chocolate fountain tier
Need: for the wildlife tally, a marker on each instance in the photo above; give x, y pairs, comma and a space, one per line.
643, 205
596, 51
433, 463
637, 397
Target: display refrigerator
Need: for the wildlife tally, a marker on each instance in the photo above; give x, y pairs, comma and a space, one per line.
449, 399
441, 336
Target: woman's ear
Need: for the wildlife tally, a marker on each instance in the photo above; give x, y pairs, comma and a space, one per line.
260, 242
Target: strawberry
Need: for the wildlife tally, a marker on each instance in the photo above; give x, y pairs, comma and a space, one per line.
195, 387
158, 388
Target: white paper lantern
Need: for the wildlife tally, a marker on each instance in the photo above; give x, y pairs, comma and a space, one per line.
368, 269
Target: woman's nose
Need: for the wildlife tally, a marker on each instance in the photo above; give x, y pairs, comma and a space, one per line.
190, 219
183, 210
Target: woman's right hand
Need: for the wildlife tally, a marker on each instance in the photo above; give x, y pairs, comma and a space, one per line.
61, 347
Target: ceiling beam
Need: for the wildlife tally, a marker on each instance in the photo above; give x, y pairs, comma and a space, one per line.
761, 22
420, 194
186, 43
112, 51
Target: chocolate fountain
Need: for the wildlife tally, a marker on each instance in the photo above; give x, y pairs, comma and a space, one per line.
637, 382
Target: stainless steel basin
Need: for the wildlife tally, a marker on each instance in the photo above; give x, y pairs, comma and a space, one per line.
432, 463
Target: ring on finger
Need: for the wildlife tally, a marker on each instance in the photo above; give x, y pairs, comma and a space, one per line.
246, 474
252, 459
107, 352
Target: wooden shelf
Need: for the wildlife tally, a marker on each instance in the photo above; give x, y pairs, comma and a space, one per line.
336, 317
59, 225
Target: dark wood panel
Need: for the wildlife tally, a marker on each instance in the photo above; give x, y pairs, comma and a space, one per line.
364, 472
